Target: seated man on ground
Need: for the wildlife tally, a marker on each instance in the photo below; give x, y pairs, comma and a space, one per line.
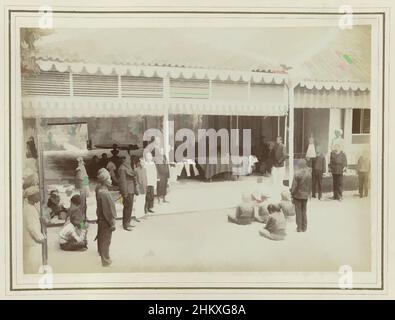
57, 208
275, 228
72, 237
262, 197
286, 205
244, 213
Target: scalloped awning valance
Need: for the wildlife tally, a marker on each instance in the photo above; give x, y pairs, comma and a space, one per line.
60, 107
162, 71
336, 85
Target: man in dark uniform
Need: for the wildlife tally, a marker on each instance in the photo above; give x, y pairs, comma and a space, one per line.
300, 191
338, 165
127, 181
106, 215
279, 157
318, 168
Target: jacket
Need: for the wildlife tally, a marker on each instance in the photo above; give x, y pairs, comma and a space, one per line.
127, 180
338, 161
152, 174
319, 163
363, 165
105, 206
301, 184
81, 177
279, 155
141, 180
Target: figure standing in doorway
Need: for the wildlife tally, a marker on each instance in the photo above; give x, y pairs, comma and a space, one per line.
278, 170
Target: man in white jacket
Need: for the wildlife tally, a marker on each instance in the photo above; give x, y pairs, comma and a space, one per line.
32, 235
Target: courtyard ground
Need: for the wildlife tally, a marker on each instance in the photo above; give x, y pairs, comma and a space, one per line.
201, 239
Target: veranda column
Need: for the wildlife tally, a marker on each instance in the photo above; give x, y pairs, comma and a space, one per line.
166, 100
291, 106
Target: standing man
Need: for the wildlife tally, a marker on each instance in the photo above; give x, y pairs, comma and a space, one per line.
106, 215
300, 191
127, 181
33, 238
82, 185
278, 170
337, 165
363, 169
162, 167
318, 167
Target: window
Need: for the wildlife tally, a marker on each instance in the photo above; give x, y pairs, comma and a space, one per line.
361, 121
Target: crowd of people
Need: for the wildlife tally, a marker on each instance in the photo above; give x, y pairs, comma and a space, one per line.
139, 178
264, 204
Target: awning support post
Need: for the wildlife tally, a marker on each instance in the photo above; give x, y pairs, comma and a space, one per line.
291, 106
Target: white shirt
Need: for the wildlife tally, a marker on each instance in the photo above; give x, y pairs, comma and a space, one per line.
152, 175
69, 232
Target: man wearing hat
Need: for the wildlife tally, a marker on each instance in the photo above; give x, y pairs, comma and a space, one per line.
106, 215
33, 238
300, 191
127, 181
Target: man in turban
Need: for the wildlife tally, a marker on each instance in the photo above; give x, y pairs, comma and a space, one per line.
106, 215
33, 238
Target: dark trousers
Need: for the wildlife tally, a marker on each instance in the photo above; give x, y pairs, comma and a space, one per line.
104, 234
149, 198
363, 180
301, 216
127, 210
316, 176
337, 185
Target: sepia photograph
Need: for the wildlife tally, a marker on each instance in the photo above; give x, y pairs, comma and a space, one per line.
197, 150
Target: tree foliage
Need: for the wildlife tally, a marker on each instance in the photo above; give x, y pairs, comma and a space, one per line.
29, 37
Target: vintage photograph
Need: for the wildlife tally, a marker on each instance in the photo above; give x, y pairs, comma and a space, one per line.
89, 96
242, 147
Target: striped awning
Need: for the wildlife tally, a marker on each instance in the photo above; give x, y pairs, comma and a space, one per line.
60, 107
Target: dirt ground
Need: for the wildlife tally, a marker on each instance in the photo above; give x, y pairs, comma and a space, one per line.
338, 234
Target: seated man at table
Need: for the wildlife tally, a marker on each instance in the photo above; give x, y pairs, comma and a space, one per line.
72, 236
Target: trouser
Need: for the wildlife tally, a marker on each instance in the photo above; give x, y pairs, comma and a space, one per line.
149, 198
301, 216
317, 182
278, 174
104, 234
73, 246
272, 236
337, 185
363, 180
127, 209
